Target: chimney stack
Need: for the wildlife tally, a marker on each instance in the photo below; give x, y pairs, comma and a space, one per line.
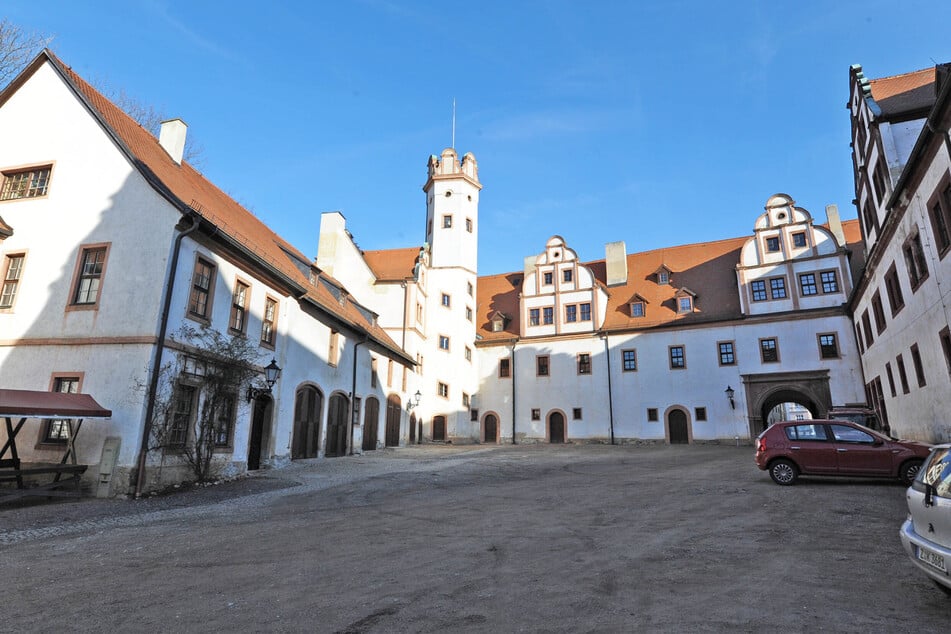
172, 138
835, 224
615, 260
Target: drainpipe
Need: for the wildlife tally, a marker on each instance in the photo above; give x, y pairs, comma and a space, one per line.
513, 394
607, 353
353, 396
405, 312
157, 358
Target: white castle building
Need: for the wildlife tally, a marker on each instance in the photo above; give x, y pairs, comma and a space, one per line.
110, 243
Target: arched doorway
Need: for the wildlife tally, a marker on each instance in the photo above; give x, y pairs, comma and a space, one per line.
678, 432
556, 427
439, 428
371, 424
308, 404
412, 428
260, 429
782, 404
490, 428
809, 389
337, 426
394, 409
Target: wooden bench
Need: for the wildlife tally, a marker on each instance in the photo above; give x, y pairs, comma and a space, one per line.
12, 471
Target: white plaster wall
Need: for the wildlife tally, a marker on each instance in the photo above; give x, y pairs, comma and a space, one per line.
922, 413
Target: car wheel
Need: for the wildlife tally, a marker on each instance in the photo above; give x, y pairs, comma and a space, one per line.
783, 472
908, 471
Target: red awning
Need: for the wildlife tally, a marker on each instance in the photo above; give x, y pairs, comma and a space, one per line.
33, 404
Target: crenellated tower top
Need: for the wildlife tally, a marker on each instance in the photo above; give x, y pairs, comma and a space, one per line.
447, 165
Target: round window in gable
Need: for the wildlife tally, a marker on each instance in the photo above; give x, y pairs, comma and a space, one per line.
470, 198
781, 215
448, 194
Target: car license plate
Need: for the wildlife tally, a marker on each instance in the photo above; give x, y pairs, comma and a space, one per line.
932, 559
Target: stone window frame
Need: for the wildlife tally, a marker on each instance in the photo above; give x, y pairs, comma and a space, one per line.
824, 348
629, 360
677, 357
35, 190
766, 350
731, 360
80, 274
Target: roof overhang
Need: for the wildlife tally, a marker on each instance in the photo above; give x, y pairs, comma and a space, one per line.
35, 404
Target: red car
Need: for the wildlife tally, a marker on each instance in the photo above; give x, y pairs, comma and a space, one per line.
835, 448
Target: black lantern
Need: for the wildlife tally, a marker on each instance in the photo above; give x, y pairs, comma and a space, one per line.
729, 394
413, 401
271, 374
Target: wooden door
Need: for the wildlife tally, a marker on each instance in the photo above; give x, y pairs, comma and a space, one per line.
556, 427
412, 428
371, 424
677, 426
439, 428
337, 426
491, 428
394, 410
307, 406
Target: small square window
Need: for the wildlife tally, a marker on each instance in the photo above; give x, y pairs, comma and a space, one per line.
830, 284
677, 358
828, 347
586, 312
727, 355
777, 287
799, 239
465, 400
504, 368
473, 415
534, 316
807, 284
536, 414
584, 363
571, 313
443, 342
547, 277
629, 360
663, 277
442, 389
548, 315
576, 413
769, 352
541, 365
446, 300
567, 275
652, 414
700, 413
685, 305
446, 222
637, 309
469, 225
772, 244
758, 287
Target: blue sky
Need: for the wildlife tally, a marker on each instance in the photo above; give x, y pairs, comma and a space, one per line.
656, 123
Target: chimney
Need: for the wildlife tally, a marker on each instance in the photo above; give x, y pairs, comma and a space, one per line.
172, 138
835, 224
615, 260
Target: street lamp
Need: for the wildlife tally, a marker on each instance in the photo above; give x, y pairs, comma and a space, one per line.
729, 394
271, 374
413, 401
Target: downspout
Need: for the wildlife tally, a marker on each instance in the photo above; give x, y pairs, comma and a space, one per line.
353, 396
607, 353
405, 312
157, 359
513, 394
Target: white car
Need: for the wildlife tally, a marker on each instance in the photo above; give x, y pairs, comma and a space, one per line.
926, 534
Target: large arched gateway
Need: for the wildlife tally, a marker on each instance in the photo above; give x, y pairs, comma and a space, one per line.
766, 391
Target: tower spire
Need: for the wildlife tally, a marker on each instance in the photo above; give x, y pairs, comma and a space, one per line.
453, 145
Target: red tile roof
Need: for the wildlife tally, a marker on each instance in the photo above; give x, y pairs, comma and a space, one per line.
904, 93
186, 188
392, 264
707, 268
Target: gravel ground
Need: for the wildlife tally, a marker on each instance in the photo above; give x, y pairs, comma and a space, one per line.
433, 539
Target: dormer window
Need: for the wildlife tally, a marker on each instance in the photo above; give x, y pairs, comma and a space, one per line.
497, 325
772, 244
663, 277
685, 305
637, 309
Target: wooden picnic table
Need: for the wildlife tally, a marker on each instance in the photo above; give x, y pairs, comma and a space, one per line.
23, 405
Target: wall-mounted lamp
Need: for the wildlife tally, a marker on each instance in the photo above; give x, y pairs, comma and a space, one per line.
271, 374
729, 394
413, 401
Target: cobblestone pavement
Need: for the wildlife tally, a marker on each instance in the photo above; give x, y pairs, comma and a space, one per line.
435, 539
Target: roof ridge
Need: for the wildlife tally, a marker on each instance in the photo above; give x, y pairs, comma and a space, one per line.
912, 72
